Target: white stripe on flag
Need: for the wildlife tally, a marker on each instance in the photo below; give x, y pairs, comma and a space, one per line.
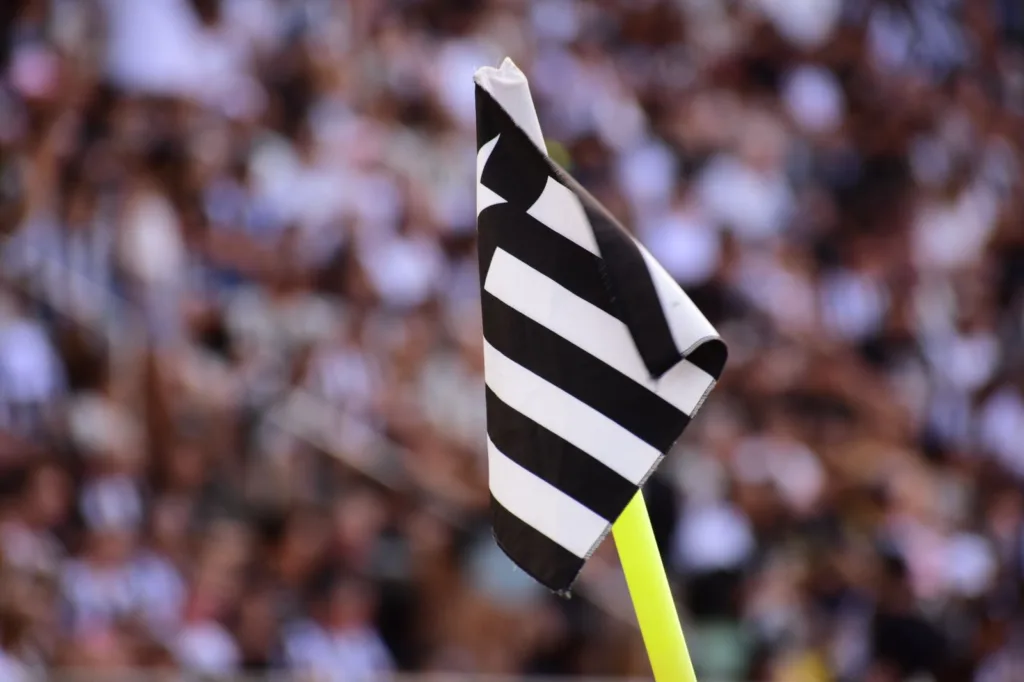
585, 325
567, 417
543, 506
560, 210
687, 324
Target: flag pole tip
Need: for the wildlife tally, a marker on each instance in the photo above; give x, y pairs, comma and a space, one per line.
510, 88
507, 74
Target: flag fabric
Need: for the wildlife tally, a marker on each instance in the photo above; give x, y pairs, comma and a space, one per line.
595, 359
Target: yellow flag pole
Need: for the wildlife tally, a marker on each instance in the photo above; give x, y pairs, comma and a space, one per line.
652, 598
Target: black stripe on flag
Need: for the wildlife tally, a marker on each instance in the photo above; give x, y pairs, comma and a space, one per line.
557, 461
589, 380
636, 301
532, 551
506, 227
634, 298
517, 171
710, 356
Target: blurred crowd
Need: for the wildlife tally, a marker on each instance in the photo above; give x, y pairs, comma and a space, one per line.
241, 400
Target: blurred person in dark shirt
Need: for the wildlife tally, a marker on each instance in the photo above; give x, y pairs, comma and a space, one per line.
904, 642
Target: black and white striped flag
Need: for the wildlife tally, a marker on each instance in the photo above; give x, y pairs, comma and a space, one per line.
595, 359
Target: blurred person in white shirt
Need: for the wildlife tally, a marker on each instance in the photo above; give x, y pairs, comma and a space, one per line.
168, 48
342, 645
152, 247
748, 189
32, 375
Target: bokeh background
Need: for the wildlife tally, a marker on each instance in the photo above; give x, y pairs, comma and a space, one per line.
241, 414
